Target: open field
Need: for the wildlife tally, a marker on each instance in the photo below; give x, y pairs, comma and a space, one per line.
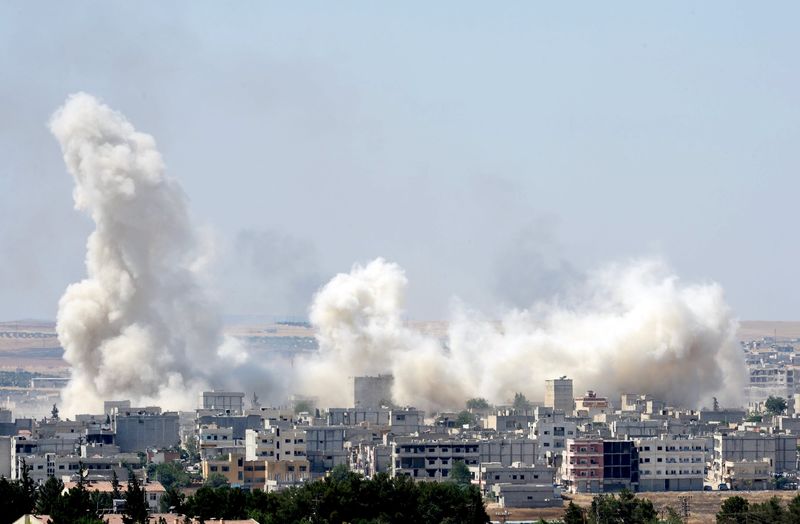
703, 505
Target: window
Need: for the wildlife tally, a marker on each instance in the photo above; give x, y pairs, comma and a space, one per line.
225, 468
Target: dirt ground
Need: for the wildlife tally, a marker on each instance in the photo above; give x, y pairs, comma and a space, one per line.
703, 505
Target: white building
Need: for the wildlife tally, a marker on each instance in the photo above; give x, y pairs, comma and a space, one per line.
671, 464
551, 431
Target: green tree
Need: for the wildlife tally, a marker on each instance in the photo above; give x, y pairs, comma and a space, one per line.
303, 406
49, 497
460, 473
477, 403
521, 403
733, 510
192, 450
13, 504
136, 508
216, 480
172, 501
671, 516
793, 510
169, 474
27, 486
625, 507
574, 514
775, 405
116, 493
465, 418
75, 505
767, 511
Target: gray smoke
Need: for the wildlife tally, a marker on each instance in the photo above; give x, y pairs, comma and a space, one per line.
139, 326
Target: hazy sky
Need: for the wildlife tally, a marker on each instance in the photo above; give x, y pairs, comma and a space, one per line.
494, 150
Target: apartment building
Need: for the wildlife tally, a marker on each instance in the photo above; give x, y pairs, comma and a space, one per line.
779, 451
582, 465
592, 465
767, 380
671, 464
551, 431
431, 460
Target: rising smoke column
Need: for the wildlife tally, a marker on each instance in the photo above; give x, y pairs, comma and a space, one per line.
139, 326
631, 328
360, 329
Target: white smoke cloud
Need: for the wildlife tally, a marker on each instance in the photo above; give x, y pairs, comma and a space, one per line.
631, 328
139, 327
360, 330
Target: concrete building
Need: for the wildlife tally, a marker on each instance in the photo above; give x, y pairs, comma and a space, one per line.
593, 465
508, 420
671, 464
723, 416
372, 392
356, 416
486, 475
746, 475
508, 450
5, 456
153, 491
558, 394
140, 431
582, 465
225, 401
325, 447
767, 380
527, 495
551, 431
97, 467
240, 424
431, 460
620, 465
779, 451
215, 441
406, 421
628, 429
590, 405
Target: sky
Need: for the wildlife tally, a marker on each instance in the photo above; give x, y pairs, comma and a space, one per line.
493, 151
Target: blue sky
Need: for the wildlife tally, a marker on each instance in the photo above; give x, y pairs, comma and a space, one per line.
465, 141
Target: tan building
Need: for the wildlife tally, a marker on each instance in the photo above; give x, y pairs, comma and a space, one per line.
153, 490
744, 474
558, 395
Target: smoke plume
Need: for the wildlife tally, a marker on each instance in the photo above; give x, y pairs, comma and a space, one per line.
633, 328
139, 327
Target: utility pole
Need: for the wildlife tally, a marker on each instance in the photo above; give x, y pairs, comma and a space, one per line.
685, 502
